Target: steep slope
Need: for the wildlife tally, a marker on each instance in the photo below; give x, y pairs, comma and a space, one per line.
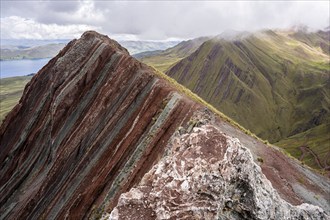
268, 82
319, 39
162, 60
94, 121
75, 115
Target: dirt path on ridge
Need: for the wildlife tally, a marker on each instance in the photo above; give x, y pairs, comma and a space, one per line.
306, 150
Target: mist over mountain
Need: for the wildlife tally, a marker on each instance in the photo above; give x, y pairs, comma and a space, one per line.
273, 82
135, 47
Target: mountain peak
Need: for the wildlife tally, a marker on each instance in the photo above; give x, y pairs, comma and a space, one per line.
88, 35
88, 126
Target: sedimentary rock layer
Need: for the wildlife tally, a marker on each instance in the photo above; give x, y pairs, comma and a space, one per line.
88, 127
91, 124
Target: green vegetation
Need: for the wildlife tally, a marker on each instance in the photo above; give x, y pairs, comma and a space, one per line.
260, 160
198, 99
319, 39
11, 90
272, 83
161, 63
303, 145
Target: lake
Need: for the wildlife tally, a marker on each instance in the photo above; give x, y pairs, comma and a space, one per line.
11, 68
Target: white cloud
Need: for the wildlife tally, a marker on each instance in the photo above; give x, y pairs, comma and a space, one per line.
157, 20
15, 27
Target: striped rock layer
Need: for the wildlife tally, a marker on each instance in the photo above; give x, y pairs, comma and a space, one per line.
90, 125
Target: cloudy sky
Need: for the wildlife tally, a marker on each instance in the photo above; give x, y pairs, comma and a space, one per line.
147, 20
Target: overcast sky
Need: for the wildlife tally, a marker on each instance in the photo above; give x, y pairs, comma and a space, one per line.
146, 20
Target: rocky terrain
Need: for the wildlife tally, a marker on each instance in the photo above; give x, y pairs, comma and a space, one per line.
208, 175
97, 134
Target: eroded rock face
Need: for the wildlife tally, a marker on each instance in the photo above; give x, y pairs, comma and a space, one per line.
89, 125
207, 175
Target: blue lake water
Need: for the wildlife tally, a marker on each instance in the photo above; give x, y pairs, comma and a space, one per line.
10, 68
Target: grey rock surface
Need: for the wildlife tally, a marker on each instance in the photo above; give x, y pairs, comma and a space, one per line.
208, 175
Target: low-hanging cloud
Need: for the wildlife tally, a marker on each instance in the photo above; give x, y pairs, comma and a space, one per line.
162, 20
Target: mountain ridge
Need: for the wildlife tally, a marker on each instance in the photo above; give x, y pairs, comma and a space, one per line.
94, 121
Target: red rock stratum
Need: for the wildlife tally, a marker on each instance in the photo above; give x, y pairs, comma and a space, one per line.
94, 122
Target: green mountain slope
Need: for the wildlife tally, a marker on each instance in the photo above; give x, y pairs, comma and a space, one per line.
272, 83
163, 59
11, 90
311, 146
319, 39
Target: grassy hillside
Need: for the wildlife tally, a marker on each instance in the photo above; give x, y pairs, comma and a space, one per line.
311, 146
270, 82
162, 60
320, 39
11, 90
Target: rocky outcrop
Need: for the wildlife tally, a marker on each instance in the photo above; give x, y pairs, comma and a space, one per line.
94, 121
88, 126
207, 175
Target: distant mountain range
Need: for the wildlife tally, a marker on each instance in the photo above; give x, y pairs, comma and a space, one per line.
135, 47
37, 49
34, 52
274, 83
